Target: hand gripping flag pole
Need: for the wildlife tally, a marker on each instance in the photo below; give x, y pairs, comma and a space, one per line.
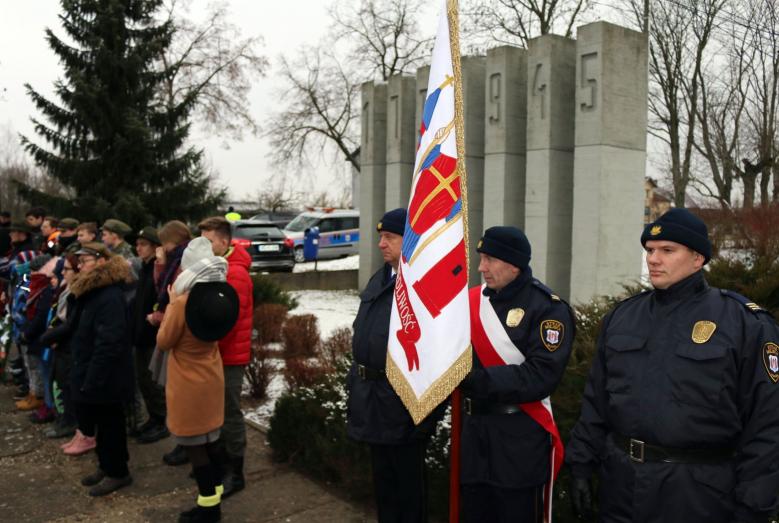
429, 349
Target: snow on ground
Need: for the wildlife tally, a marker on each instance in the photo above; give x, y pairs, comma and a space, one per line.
341, 264
334, 309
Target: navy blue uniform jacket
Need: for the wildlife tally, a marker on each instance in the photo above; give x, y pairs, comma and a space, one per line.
512, 450
375, 413
650, 380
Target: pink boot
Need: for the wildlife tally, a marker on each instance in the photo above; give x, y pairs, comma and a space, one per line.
77, 436
81, 446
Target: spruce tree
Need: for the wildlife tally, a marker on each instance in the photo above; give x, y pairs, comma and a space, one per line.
118, 148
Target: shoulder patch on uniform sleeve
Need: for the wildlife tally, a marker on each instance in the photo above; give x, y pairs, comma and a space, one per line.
546, 290
552, 334
743, 300
771, 360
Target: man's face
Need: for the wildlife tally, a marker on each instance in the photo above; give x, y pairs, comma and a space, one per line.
111, 239
496, 273
670, 262
84, 236
390, 245
46, 228
67, 233
219, 244
5, 220
34, 221
144, 248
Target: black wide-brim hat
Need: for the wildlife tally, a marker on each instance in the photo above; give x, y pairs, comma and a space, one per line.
212, 310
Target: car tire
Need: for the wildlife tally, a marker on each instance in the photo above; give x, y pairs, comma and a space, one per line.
299, 258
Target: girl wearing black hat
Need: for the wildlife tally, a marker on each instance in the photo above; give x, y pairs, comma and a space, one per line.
194, 388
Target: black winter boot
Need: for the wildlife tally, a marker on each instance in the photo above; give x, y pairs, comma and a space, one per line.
233, 480
201, 515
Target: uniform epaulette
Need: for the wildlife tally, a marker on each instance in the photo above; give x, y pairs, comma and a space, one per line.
632, 297
546, 290
743, 300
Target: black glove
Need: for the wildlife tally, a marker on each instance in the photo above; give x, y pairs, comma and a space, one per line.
581, 498
474, 385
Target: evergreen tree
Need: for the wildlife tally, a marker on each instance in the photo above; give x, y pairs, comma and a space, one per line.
113, 143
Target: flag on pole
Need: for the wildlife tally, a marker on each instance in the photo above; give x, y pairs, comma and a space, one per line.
429, 345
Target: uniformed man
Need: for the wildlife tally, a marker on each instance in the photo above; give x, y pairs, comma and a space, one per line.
114, 232
375, 413
679, 416
521, 334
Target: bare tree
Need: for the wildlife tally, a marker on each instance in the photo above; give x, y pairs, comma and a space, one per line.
515, 22
319, 110
763, 95
320, 107
383, 35
216, 65
679, 33
720, 113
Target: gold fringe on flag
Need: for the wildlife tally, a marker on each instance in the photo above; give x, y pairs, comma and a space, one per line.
436, 393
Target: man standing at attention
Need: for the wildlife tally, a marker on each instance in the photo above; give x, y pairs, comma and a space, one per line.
375, 413
522, 335
679, 417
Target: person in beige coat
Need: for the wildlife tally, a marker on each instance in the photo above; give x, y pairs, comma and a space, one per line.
194, 390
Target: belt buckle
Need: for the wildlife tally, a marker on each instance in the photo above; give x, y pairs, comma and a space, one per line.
361, 372
636, 450
467, 404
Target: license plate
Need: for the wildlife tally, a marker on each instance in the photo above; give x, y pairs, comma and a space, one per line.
268, 248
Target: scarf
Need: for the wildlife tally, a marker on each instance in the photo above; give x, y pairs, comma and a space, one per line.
204, 270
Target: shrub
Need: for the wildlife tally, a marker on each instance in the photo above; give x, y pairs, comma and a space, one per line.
336, 346
303, 372
268, 320
300, 336
259, 373
268, 291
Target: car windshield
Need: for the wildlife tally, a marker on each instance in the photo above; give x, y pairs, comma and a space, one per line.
301, 223
252, 231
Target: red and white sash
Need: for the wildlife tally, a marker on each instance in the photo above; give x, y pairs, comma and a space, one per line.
494, 347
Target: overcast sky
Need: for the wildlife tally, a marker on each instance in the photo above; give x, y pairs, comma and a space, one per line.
243, 168
284, 25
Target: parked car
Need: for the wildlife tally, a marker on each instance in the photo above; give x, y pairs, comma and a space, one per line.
266, 244
278, 218
339, 232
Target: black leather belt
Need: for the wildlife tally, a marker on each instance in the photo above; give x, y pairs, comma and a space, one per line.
641, 452
368, 373
474, 407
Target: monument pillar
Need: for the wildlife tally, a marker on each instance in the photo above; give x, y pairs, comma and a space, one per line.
610, 159
373, 169
473, 70
551, 65
505, 122
401, 139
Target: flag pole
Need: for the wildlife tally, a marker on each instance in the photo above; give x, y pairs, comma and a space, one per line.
452, 13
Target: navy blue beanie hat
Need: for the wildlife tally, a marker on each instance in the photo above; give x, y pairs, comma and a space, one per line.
506, 243
680, 226
393, 221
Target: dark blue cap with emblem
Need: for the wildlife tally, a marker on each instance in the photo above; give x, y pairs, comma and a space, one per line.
506, 243
680, 226
393, 221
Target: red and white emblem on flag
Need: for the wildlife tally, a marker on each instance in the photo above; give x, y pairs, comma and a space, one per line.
429, 344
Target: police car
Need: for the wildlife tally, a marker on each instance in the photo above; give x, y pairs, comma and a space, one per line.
339, 232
